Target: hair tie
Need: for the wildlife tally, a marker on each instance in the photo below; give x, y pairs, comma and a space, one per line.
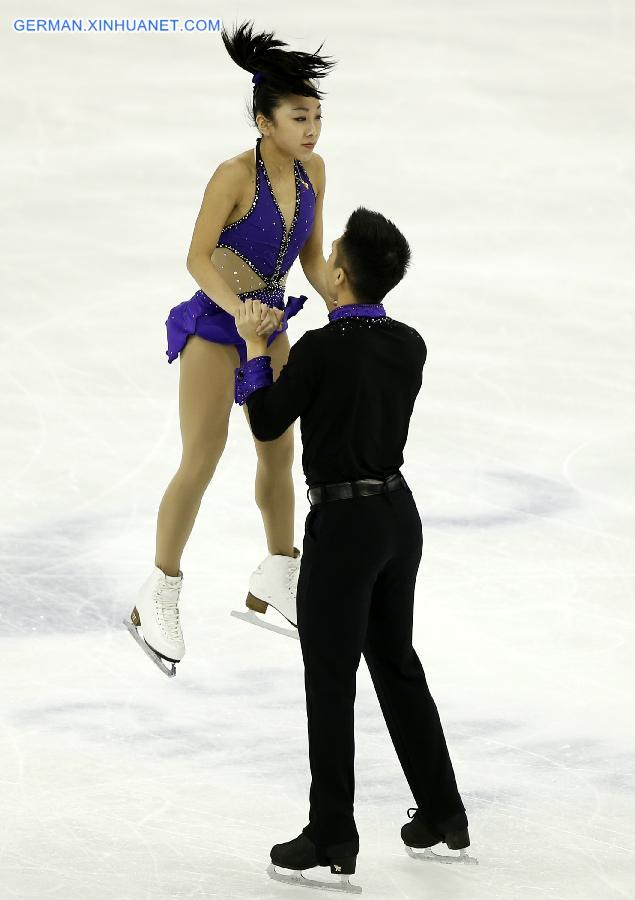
258, 77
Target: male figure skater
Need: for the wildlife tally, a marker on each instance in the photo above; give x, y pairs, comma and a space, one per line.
353, 383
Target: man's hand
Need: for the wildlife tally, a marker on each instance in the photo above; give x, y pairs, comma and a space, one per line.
256, 320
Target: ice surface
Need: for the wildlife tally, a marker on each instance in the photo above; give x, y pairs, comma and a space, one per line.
499, 137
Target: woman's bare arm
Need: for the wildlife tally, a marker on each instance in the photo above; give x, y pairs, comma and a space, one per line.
222, 194
312, 253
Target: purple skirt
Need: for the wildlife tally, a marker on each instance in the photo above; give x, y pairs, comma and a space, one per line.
200, 315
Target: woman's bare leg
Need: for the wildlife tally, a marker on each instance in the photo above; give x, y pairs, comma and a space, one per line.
275, 496
206, 396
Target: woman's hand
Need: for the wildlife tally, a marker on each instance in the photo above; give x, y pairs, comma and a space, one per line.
271, 319
256, 320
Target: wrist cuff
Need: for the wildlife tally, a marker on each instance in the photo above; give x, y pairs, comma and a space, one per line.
254, 374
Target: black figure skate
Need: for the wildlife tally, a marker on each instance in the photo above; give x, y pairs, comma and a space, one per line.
421, 836
301, 853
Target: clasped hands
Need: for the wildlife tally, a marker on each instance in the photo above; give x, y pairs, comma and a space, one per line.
256, 320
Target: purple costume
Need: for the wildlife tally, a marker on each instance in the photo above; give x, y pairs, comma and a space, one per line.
259, 240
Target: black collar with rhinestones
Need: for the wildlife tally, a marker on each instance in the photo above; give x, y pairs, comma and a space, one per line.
374, 310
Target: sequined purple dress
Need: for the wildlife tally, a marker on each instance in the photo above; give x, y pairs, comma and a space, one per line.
260, 254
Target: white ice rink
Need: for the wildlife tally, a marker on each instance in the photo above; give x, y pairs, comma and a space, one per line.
500, 137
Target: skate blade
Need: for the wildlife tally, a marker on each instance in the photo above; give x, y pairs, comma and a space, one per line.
256, 619
156, 659
342, 886
428, 854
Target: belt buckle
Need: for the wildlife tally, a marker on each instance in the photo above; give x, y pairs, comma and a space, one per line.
349, 490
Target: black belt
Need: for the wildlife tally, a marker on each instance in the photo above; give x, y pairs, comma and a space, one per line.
345, 490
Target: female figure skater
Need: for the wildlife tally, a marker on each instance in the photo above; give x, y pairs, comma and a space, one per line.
259, 212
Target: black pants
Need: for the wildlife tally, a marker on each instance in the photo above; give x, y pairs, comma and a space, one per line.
355, 595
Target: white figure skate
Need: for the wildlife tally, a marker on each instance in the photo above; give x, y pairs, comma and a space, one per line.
157, 614
274, 583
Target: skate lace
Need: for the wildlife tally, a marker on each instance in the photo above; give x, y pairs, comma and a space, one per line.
167, 598
414, 810
292, 578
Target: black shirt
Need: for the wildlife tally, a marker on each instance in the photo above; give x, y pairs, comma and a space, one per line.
353, 383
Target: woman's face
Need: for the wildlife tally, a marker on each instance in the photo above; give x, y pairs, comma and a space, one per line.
297, 125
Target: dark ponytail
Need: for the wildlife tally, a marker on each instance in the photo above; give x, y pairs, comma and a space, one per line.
284, 71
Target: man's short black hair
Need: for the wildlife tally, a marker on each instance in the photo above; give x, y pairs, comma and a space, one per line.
373, 253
